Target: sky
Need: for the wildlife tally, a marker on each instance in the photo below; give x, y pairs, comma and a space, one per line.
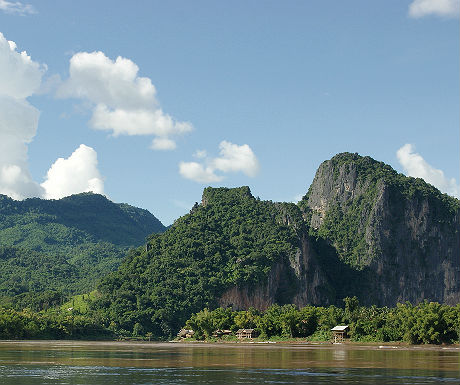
148, 102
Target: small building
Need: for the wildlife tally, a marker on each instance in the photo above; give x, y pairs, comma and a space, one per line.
186, 333
221, 332
339, 333
246, 334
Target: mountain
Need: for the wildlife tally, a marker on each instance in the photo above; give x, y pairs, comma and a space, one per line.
230, 239
362, 229
66, 244
44, 225
401, 234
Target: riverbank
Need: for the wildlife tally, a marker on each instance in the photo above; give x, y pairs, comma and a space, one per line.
347, 345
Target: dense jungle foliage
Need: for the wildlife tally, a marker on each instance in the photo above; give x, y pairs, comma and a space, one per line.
50, 225
230, 239
65, 245
23, 270
426, 323
55, 324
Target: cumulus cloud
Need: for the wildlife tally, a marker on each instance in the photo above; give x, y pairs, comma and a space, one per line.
233, 158
20, 77
198, 173
444, 8
123, 102
16, 8
414, 165
163, 144
78, 173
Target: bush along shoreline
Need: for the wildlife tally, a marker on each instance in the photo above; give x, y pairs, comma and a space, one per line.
52, 324
425, 323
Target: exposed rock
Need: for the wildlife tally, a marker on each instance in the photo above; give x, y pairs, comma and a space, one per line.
400, 233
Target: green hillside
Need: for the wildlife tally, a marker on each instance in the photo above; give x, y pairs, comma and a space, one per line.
67, 244
49, 225
230, 239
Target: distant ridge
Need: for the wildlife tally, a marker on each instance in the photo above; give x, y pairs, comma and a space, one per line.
82, 217
67, 244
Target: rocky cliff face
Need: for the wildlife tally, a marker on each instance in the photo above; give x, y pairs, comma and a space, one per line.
364, 230
399, 234
296, 278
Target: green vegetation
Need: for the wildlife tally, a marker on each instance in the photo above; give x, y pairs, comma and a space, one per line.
53, 251
57, 225
64, 246
231, 239
27, 324
80, 302
426, 323
348, 218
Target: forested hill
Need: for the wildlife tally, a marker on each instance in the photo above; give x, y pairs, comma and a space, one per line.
230, 239
66, 245
362, 229
40, 224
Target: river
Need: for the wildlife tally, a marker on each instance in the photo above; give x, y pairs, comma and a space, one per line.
101, 363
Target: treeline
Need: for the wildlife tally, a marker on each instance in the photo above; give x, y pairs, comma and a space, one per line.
56, 324
426, 323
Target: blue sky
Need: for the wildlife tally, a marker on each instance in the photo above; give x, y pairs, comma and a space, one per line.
254, 93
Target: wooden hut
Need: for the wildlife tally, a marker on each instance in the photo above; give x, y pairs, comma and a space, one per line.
185, 333
221, 332
245, 334
339, 333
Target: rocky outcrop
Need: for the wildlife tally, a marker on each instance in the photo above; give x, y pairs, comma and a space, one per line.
399, 234
296, 279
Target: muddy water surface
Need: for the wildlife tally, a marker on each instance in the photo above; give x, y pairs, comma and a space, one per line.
58, 362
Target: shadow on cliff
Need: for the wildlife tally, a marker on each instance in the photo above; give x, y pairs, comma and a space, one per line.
346, 281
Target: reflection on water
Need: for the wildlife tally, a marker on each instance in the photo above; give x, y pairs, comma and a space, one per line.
31, 363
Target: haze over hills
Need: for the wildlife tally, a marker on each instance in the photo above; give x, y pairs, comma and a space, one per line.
66, 244
362, 229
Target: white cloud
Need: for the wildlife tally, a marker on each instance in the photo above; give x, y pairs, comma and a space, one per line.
233, 158
444, 8
78, 173
124, 103
20, 77
414, 165
298, 198
163, 144
198, 173
16, 8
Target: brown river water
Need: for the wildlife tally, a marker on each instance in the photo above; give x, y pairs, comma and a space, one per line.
91, 363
